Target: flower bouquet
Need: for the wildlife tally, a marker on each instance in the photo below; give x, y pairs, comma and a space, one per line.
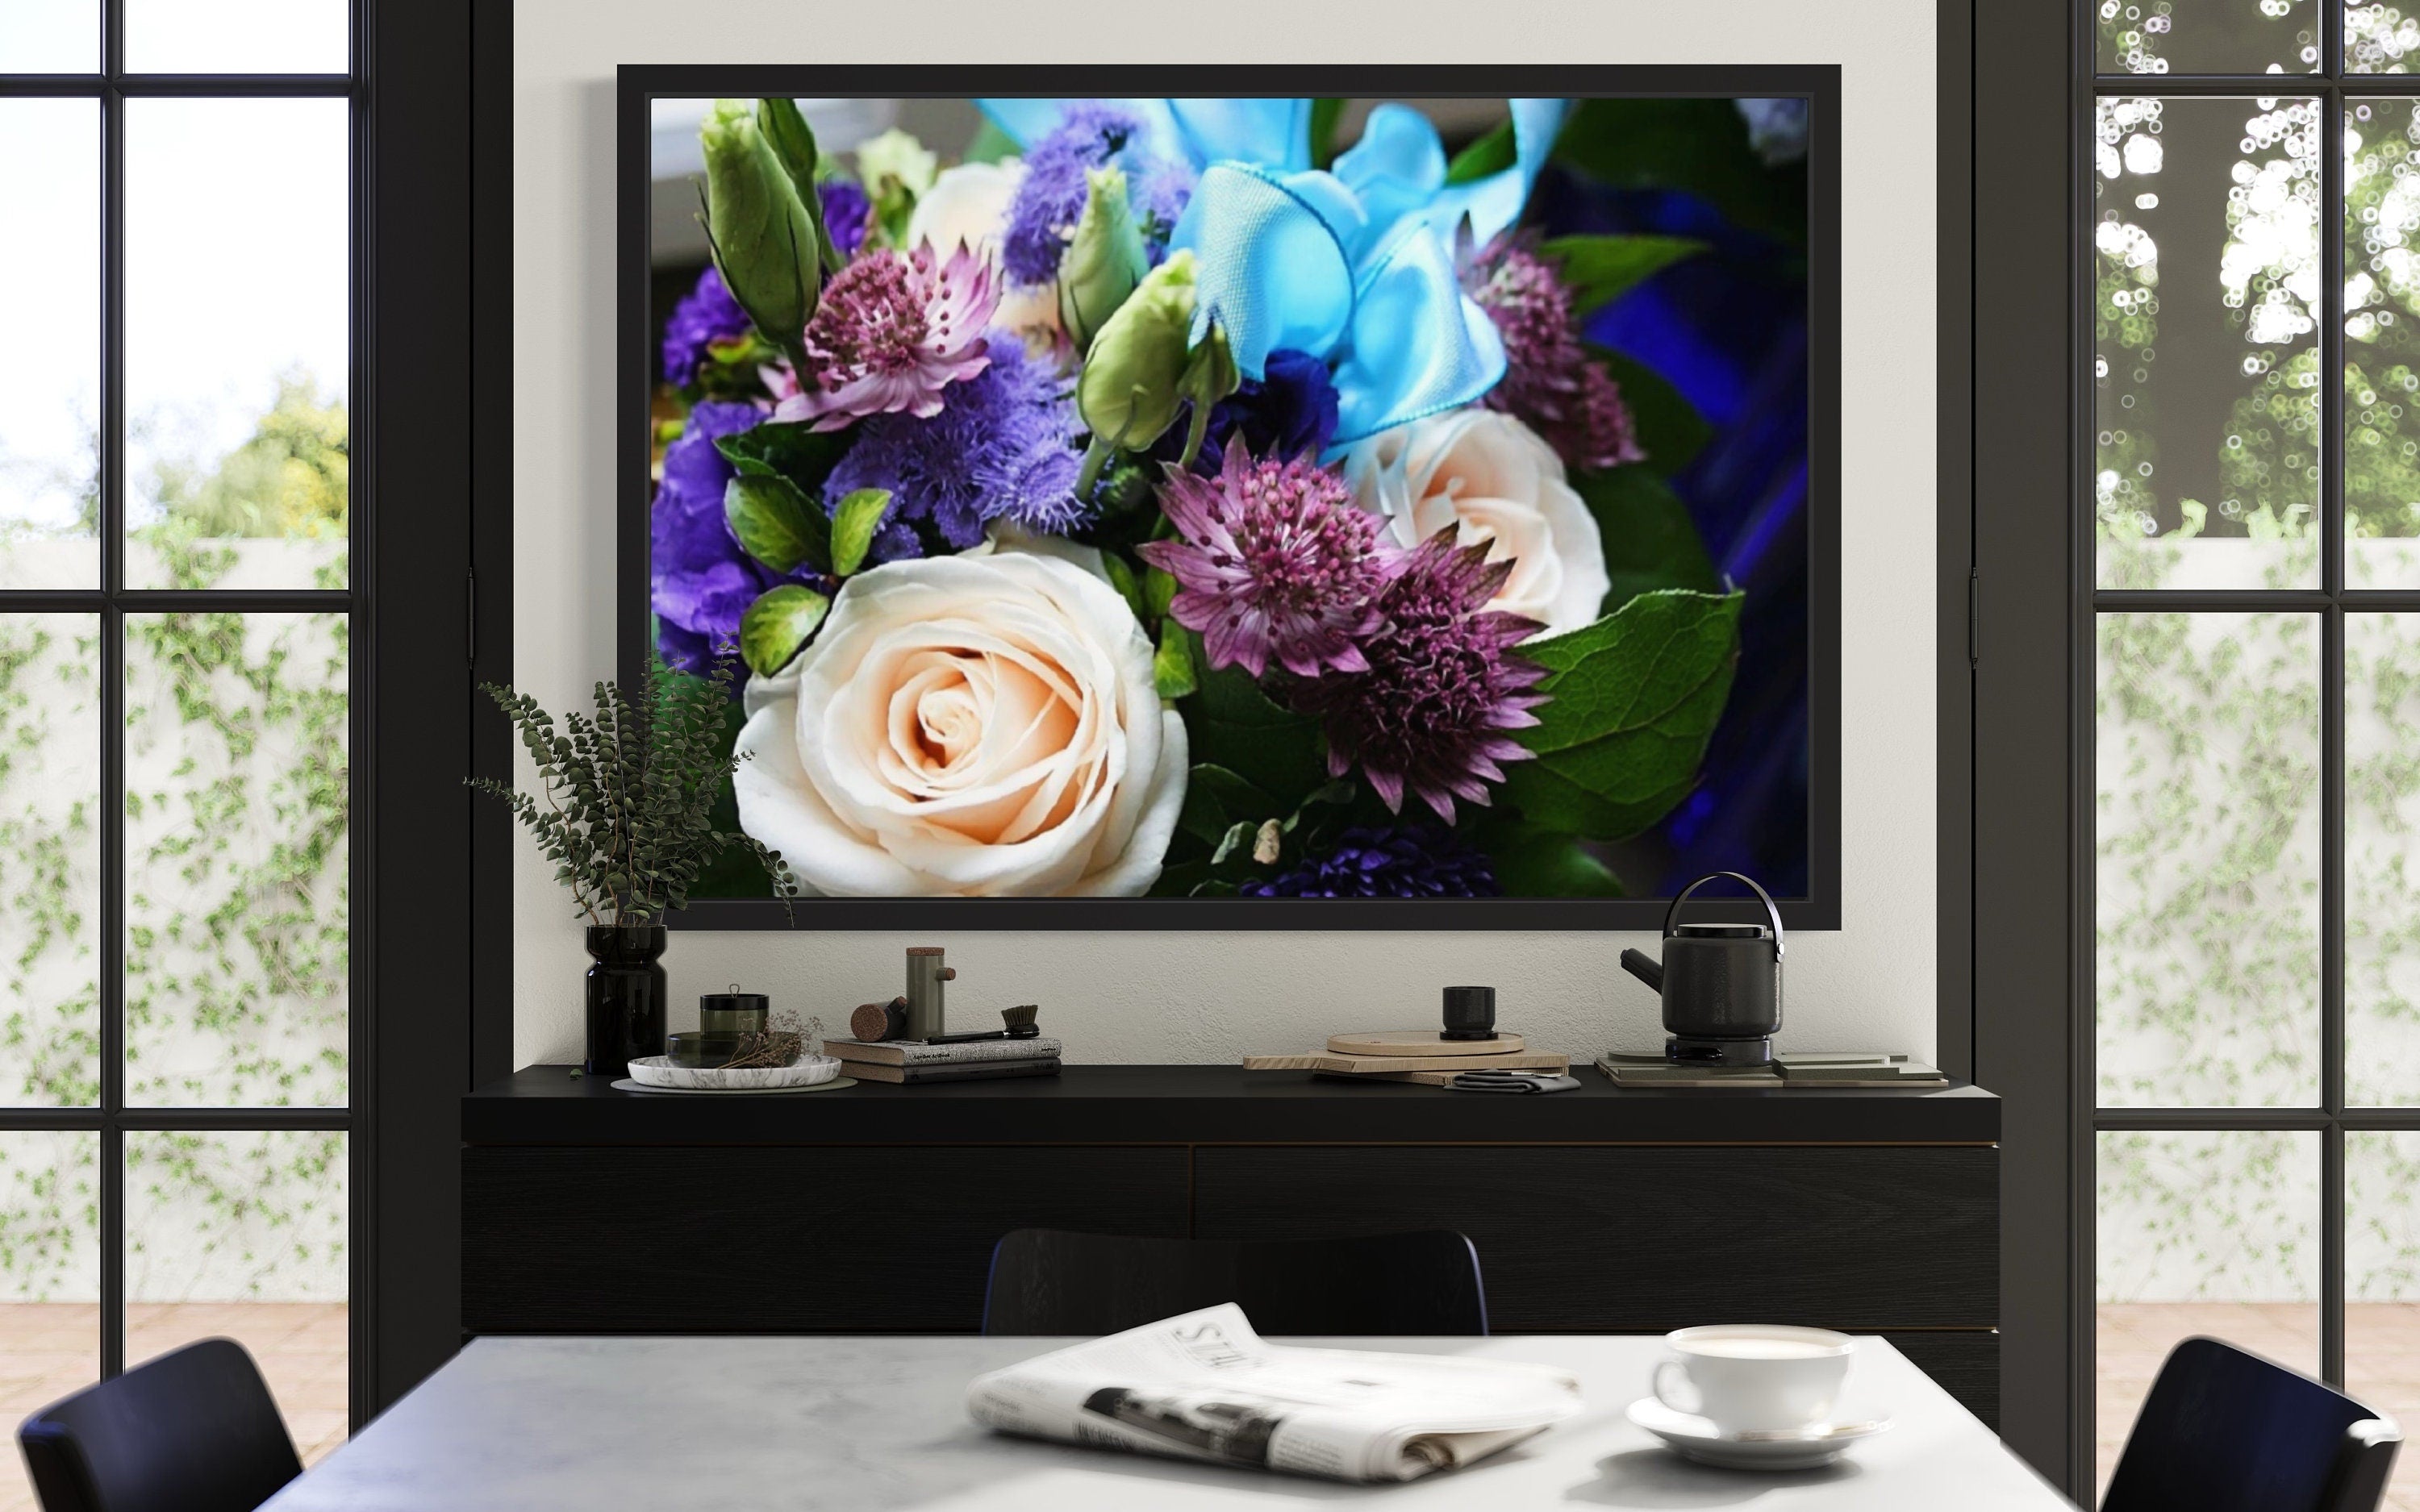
1166, 498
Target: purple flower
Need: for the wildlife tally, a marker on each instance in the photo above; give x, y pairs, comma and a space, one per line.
1050, 195
706, 314
1443, 687
847, 213
1274, 562
1000, 448
1291, 413
893, 331
1549, 384
1412, 861
701, 581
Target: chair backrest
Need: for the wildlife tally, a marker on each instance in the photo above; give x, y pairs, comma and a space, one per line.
2227, 1431
195, 1431
1048, 1281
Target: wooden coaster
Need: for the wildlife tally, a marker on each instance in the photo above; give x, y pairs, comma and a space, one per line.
1419, 1043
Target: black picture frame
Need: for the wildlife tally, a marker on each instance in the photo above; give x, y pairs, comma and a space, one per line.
637, 85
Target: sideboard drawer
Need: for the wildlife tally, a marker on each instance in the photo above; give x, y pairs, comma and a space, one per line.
1642, 1238
775, 1239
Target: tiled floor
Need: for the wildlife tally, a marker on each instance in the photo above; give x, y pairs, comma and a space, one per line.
2382, 1357
47, 1349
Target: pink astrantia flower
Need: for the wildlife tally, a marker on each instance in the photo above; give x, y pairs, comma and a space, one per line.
1275, 563
894, 329
1549, 384
1432, 713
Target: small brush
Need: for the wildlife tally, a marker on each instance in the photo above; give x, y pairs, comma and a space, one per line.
1018, 1019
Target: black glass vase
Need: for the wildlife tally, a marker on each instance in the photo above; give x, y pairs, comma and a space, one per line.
627, 996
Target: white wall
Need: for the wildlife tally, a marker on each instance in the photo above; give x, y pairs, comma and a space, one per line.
1214, 997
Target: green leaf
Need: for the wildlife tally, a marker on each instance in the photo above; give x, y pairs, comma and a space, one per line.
1671, 430
776, 624
1326, 113
1699, 146
853, 525
777, 524
1232, 724
1215, 799
1636, 695
1492, 153
1158, 591
1172, 669
1530, 862
1650, 540
1601, 270
785, 448
1239, 835
1122, 577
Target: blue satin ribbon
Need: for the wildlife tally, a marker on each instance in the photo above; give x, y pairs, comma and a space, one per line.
1354, 266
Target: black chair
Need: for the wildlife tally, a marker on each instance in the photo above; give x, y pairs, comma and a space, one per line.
1048, 1281
2226, 1432
193, 1431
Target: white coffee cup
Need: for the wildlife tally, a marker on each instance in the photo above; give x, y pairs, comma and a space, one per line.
1754, 1378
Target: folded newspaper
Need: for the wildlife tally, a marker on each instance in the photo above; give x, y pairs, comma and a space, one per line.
1204, 1386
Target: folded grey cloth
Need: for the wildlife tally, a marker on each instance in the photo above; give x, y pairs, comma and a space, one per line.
1523, 1082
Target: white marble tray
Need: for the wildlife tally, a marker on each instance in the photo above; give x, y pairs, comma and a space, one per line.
659, 1073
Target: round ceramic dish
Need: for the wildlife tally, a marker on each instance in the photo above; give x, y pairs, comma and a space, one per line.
659, 1071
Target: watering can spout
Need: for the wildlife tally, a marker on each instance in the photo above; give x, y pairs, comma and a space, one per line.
1645, 967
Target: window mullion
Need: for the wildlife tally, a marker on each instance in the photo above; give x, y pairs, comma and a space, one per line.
112, 527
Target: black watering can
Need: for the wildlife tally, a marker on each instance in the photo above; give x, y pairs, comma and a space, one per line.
1721, 984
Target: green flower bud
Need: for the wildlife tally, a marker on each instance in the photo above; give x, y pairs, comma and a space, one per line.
1127, 392
1104, 260
764, 237
1210, 375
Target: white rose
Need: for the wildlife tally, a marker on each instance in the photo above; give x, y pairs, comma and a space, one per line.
973, 726
969, 203
1494, 477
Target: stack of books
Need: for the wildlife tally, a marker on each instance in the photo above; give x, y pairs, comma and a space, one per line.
912, 1062
1790, 1068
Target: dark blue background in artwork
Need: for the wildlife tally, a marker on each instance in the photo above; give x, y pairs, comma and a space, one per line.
1727, 329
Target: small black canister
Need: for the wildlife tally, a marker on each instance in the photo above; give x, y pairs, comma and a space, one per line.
733, 1011
1469, 1013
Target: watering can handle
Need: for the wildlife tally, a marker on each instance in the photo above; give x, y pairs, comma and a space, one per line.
1770, 911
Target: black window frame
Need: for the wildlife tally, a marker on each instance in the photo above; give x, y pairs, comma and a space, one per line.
425, 926
1819, 909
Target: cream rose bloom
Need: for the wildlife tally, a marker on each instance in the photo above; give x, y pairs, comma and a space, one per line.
1494, 477
969, 203
971, 726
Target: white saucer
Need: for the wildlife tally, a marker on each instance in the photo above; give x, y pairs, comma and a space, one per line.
1694, 1438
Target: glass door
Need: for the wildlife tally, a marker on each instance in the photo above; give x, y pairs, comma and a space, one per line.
2249, 202
178, 533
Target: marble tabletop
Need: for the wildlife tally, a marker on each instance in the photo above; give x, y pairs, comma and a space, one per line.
878, 1424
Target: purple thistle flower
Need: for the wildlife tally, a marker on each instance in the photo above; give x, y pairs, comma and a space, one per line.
1050, 195
701, 580
847, 213
1412, 861
1275, 563
1443, 689
706, 314
893, 331
1549, 384
1001, 447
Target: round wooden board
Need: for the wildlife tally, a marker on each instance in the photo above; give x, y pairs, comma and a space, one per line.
1419, 1043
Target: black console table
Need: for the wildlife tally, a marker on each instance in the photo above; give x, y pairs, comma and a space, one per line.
874, 1208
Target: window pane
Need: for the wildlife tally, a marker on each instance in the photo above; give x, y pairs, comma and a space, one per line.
242, 1236
235, 854
2206, 859
2205, 361
237, 37
2381, 343
2200, 1233
50, 304
2380, 39
50, 36
2208, 35
2381, 859
49, 1281
50, 860
237, 349
2383, 1286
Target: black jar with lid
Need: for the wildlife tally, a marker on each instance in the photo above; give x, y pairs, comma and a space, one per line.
731, 1013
